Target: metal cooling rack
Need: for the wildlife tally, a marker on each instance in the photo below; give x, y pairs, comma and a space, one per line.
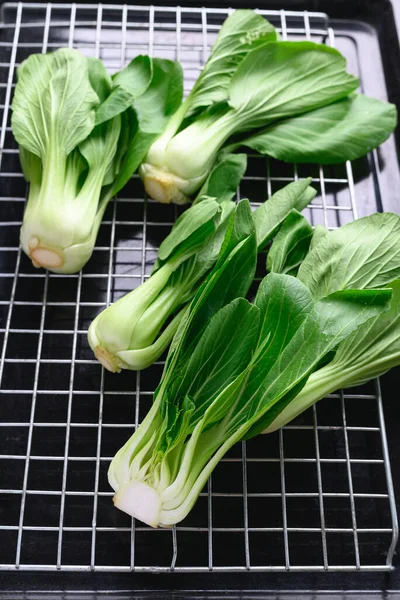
318, 495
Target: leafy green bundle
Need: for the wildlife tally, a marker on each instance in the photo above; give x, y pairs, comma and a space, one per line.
357, 254
81, 135
291, 100
233, 366
135, 331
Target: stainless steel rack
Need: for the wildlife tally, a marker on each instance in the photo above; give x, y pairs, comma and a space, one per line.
316, 496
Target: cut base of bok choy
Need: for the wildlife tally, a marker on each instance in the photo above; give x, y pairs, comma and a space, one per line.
42, 256
164, 187
139, 500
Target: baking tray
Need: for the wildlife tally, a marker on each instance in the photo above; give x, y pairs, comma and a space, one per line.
314, 500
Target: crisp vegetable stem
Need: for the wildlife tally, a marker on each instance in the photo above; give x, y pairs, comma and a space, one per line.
109, 343
156, 153
177, 166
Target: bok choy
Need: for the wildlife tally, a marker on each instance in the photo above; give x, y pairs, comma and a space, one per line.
232, 368
365, 253
81, 136
134, 331
291, 100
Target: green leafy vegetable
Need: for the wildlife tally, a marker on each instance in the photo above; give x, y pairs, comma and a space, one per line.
292, 100
369, 352
235, 369
81, 136
223, 376
133, 332
269, 216
365, 254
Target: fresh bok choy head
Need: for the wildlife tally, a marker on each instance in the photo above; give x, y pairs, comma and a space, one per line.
291, 100
80, 138
356, 254
232, 367
134, 331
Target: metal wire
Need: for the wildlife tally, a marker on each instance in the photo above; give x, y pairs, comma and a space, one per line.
292, 501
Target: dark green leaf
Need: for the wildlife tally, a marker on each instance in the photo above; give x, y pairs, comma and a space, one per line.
324, 325
240, 227
216, 361
225, 178
290, 245
269, 216
230, 279
198, 219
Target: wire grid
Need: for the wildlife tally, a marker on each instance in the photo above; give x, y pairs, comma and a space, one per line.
317, 495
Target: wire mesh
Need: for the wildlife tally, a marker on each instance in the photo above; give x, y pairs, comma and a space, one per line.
317, 495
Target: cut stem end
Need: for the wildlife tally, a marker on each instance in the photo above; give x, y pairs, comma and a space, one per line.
108, 360
163, 186
45, 257
156, 190
139, 500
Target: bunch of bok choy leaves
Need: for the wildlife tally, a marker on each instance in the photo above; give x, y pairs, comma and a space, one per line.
336, 256
235, 366
290, 100
133, 332
81, 135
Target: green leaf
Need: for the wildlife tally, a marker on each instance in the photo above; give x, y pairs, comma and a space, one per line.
344, 130
269, 216
230, 279
240, 227
241, 32
325, 324
288, 78
162, 97
136, 76
128, 84
290, 245
287, 299
53, 103
375, 347
358, 255
100, 79
152, 109
198, 220
225, 178
366, 353
100, 146
319, 232
216, 361
221, 185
